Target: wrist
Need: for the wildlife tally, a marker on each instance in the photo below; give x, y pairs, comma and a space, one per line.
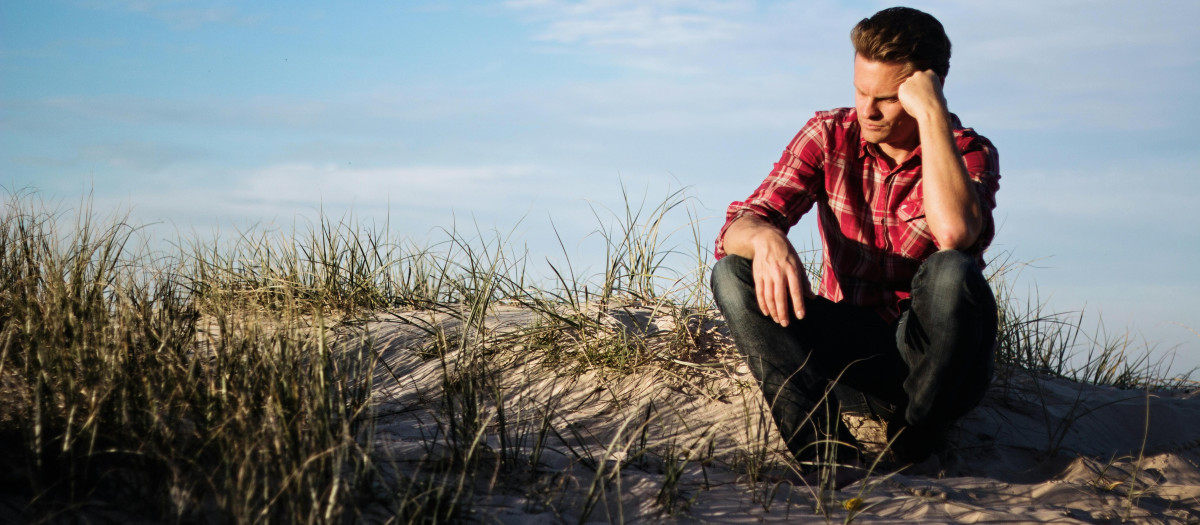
931, 113
771, 242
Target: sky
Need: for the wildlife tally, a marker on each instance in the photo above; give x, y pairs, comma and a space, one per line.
528, 117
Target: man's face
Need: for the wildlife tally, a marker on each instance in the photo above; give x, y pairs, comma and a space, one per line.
882, 118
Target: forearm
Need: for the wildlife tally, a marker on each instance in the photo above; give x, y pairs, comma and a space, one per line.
951, 206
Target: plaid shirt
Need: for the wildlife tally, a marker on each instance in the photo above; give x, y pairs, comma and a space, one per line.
872, 218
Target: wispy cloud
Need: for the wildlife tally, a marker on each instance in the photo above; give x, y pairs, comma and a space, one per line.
192, 18
425, 187
1107, 195
180, 14
1021, 65
633, 23
419, 198
138, 156
348, 111
1108, 65
665, 37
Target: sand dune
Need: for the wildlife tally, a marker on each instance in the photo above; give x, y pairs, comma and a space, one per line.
688, 440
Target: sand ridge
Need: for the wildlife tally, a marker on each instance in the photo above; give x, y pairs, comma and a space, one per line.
687, 438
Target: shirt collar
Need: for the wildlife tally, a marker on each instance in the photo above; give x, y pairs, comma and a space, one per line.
867, 148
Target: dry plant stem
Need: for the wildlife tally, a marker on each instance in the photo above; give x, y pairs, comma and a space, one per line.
1134, 491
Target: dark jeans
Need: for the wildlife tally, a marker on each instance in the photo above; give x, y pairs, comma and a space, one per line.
932, 365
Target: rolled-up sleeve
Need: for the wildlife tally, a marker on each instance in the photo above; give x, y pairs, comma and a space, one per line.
791, 188
983, 166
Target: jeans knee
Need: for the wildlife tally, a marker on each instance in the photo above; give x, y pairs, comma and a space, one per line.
732, 277
949, 273
951, 262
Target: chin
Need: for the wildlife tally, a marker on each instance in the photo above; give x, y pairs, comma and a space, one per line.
874, 137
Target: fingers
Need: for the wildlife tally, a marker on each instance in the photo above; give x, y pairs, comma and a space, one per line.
782, 315
776, 286
797, 285
770, 292
760, 290
921, 90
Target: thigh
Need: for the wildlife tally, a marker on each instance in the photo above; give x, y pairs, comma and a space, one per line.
853, 346
834, 341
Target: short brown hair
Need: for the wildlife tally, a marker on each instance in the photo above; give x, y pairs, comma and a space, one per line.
904, 35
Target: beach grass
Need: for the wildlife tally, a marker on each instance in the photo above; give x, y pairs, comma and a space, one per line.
236, 380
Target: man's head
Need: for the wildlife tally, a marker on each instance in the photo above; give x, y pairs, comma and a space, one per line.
889, 47
903, 35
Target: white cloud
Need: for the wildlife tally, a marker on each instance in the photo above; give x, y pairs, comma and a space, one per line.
410, 186
1112, 65
192, 18
751, 103
418, 199
138, 156
1084, 197
670, 37
180, 14
385, 107
636, 24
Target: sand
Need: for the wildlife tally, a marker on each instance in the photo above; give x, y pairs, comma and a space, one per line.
684, 437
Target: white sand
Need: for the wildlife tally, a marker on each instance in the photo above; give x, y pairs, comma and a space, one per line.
1036, 450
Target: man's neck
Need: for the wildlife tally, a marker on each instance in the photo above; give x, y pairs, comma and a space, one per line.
894, 155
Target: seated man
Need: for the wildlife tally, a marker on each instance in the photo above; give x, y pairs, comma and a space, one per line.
904, 197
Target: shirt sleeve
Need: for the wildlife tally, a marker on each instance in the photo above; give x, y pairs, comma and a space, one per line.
791, 188
983, 166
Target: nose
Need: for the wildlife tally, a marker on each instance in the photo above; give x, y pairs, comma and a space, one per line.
870, 109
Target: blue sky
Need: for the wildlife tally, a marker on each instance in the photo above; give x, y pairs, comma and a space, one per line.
203, 115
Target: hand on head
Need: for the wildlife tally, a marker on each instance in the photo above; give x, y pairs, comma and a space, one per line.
921, 92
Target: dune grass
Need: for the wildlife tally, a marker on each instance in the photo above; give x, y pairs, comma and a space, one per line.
1036, 340
233, 381
128, 388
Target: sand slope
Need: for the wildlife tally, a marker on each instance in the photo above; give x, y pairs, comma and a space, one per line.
685, 437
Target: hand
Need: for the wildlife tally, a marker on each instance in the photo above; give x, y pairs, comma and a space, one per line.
921, 93
779, 277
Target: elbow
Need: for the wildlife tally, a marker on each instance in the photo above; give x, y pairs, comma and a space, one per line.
960, 236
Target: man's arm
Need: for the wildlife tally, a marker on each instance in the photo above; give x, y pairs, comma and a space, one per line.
757, 228
778, 274
951, 206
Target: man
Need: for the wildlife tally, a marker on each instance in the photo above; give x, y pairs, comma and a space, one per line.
904, 196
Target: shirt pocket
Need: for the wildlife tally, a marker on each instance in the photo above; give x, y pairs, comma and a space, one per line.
915, 238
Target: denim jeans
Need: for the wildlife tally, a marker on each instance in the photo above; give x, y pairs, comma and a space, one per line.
931, 365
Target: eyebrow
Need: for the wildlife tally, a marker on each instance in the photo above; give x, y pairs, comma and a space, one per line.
883, 97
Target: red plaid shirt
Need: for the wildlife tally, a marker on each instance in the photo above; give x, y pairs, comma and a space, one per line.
872, 218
